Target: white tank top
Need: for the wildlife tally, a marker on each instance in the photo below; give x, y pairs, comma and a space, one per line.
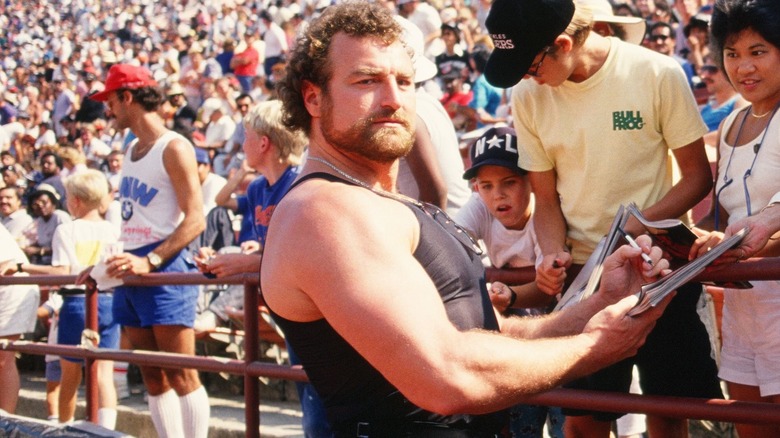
150, 212
762, 183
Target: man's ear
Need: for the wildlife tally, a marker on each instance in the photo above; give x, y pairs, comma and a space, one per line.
125, 96
312, 98
265, 143
565, 43
602, 28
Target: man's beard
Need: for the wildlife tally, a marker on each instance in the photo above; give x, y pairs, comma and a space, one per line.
384, 145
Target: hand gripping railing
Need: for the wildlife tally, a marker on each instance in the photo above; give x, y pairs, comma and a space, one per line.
251, 369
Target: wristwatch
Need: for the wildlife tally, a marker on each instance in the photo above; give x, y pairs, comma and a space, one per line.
19, 267
154, 260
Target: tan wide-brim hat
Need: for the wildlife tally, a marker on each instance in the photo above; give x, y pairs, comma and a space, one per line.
633, 27
175, 89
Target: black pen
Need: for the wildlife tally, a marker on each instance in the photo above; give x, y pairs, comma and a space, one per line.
633, 243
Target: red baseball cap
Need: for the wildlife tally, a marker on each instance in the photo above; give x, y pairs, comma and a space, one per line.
124, 76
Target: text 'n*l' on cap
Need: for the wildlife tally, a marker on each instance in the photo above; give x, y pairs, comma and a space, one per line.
520, 30
125, 76
495, 147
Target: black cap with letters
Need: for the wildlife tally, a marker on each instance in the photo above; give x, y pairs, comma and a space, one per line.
520, 29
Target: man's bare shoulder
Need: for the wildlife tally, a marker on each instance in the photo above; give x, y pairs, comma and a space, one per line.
323, 234
316, 203
180, 146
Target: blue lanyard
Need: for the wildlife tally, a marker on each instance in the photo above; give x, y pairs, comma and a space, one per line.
727, 180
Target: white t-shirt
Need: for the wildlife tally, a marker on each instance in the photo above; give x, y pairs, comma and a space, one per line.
80, 243
220, 131
14, 130
46, 139
506, 248
17, 223
427, 18
210, 187
96, 150
275, 41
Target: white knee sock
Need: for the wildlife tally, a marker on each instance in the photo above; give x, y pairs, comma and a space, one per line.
195, 412
107, 418
166, 414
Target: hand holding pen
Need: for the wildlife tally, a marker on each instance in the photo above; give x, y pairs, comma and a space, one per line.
633, 244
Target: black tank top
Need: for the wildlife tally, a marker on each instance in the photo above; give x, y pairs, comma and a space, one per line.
354, 391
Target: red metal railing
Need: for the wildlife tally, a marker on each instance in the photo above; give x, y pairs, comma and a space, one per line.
251, 369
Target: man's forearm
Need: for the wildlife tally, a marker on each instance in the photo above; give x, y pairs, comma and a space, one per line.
224, 197
567, 322
182, 236
550, 228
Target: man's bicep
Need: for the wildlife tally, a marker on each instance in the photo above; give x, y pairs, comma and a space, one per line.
545, 188
375, 294
692, 159
549, 223
182, 169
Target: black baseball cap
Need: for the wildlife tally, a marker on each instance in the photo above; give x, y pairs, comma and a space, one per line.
496, 147
520, 29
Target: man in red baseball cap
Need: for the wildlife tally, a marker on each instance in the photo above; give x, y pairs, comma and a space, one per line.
124, 76
159, 219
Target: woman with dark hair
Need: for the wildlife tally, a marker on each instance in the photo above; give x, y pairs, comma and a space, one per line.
747, 35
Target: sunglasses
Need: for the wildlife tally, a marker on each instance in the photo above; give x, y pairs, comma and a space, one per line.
662, 38
533, 69
708, 69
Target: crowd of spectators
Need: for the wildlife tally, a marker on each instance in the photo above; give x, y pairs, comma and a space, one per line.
207, 56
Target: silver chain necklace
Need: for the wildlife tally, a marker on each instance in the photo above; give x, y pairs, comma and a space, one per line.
352, 179
341, 172
434, 212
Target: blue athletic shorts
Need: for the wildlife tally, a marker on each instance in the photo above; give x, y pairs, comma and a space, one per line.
144, 307
53, 371
72, 315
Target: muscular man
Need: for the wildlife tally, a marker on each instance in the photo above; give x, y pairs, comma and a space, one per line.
159, 218
382, 297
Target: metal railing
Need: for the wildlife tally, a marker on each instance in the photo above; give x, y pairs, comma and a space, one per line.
251, 369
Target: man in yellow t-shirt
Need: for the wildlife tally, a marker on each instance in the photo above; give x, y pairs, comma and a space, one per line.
597, 127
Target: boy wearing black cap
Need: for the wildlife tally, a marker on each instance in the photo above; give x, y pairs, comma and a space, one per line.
501, 215
599, 135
